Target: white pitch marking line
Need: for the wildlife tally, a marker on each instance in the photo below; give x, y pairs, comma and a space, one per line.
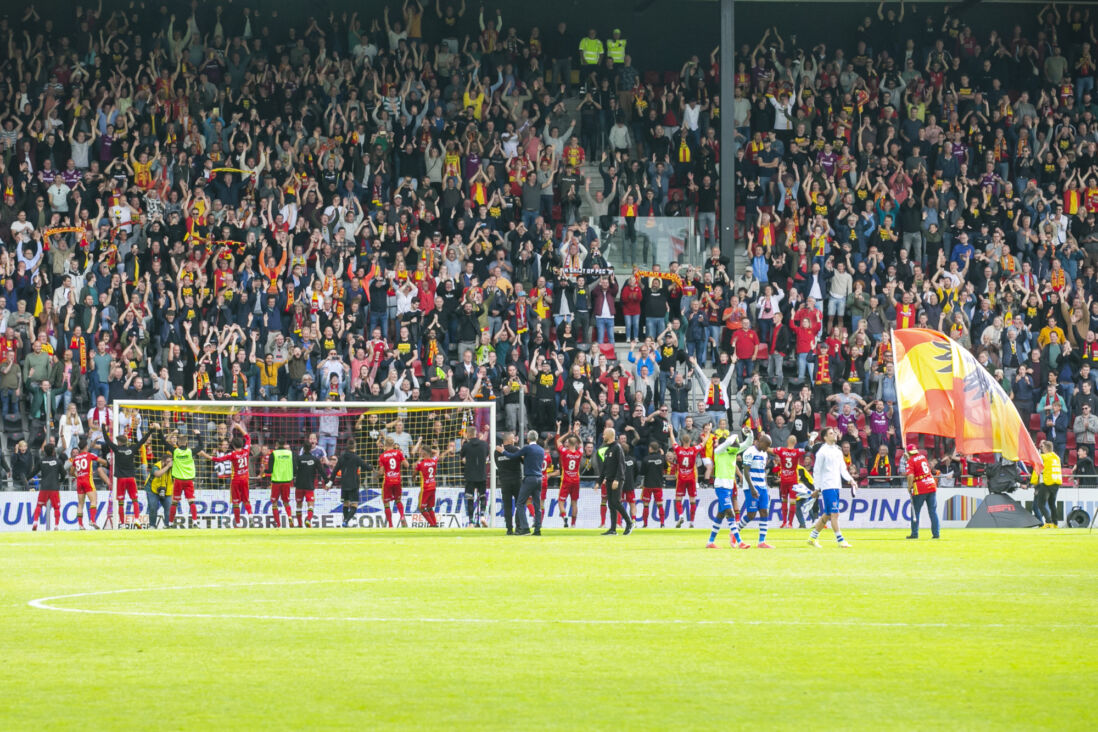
43, 603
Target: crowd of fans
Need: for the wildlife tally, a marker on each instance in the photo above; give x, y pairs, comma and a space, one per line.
922, 176
210, 203
205, 202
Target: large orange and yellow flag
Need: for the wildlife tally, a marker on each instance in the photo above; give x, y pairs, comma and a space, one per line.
942, 390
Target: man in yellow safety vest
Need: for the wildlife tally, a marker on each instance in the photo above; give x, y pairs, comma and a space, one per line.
591, 51
615, 48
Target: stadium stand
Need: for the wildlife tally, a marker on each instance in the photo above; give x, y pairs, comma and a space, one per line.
431, 204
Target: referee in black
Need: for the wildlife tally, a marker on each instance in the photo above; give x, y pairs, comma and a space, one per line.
532, 456
509, 479
617, 478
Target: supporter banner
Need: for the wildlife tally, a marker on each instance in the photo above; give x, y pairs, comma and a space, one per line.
883, 508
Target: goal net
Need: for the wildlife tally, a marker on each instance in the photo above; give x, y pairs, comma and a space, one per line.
327, 430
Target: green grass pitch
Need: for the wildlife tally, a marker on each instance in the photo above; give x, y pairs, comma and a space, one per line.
435, 630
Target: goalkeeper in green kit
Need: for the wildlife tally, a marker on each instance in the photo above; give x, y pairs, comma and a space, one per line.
724, 480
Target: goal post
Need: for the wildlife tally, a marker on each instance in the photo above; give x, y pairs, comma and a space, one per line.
327, 429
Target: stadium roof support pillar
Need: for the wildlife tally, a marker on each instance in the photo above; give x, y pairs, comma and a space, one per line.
728, 133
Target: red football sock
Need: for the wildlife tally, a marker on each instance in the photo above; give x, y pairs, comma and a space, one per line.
247, 507
136, 509
236, 514
56, 517
194, 510
299, 517
602, 515
692, 509
79, 519
91, 513
274, 512
171, 513
429, 514
660, 513
309, 517
37, 513
646, 515
400, 509
121, 512
388, 515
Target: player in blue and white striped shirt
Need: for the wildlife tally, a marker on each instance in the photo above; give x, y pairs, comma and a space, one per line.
757, 497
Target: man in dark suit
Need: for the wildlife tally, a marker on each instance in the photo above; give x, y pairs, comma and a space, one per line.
509, 480
532, 456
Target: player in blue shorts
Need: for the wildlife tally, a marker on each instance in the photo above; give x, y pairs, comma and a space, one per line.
828, 473
757, 498
724, 481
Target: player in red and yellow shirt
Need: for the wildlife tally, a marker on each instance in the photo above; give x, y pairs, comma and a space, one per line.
789, 457
924, 490
82, 463
389, 464
685, 460
427, 469
239, 458
570, 456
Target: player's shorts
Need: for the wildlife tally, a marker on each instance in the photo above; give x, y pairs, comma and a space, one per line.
752, 504
84, 485
304, 495
830, 498
570, 490
349, 495
785, 492
391, 492
729, 483
51, 497
427, 498
126, 487
629, 496
726, 499
479, 486
238, 489
281, 492
686, 489
652, 494
182, 488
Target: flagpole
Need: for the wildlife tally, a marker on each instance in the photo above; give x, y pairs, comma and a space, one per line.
895, 375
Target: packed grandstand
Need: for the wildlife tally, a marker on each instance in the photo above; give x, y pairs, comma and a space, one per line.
437, 203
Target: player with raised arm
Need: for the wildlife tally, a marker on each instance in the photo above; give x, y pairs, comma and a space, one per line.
81, 464
126, 453
789, 457
685, 459
282, 481
238, 460
757, 500
571, 454
724, 477
309, 469
427, 470
828, 473
653, 470
182, 473
51, 469
389, 464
